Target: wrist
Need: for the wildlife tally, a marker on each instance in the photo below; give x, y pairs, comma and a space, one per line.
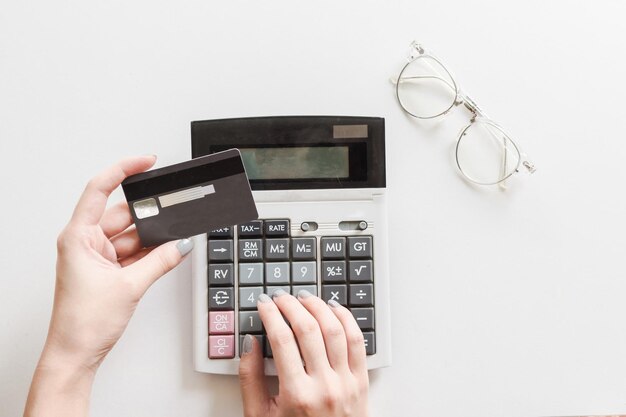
61, 387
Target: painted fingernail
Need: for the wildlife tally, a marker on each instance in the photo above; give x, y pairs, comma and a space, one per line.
184, 246
246, 346
278, 293
304, 294
333, 303
264, 298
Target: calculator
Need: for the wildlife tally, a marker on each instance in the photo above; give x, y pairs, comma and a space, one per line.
319, 185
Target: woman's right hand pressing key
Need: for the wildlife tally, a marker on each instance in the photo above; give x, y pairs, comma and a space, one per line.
333, 379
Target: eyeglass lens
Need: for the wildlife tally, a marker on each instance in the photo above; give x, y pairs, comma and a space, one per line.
485, 154
425, 88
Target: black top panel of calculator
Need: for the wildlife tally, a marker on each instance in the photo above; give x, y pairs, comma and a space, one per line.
300, 152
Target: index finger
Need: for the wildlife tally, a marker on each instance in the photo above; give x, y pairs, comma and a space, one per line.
284, 348
93, 201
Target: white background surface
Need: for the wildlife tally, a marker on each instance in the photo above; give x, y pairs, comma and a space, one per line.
503, 304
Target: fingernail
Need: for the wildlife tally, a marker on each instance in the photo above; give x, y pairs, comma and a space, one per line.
304, 294
246, 346
333, 303
264, 298
278, 293
184, 246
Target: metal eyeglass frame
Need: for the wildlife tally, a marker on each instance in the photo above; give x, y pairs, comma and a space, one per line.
417, 52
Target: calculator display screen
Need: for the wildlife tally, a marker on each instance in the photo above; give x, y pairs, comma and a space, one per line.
300, 162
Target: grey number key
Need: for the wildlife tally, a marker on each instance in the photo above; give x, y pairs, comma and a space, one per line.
270, 290
303, 272
259, 339
310, 288
249, 322
277, 273
250, 274
248, 297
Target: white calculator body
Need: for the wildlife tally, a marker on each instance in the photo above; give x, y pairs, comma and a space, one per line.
319, 186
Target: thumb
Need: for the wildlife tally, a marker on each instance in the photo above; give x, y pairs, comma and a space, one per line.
252, 378
159, 261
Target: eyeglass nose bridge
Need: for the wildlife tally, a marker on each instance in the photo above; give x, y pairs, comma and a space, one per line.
470, 105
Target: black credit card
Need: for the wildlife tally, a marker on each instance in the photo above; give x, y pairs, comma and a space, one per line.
190, 198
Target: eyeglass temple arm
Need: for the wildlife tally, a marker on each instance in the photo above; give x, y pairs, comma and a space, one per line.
497, 139
396, 81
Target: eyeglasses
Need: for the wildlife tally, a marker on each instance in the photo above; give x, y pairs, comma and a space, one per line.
485, 154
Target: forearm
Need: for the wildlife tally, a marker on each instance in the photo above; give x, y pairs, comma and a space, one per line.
59, 388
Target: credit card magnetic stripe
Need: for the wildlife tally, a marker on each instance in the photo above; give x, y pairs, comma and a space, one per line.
148, 185
186, 195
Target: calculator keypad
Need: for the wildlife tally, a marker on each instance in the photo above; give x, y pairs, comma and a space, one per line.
267, 259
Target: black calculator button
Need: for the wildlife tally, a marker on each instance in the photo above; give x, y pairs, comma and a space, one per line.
364, 317
303, 249
220, 250
268, 348
221, 298
360, 246
277, 249
253, 228
370, 342
360, 271
250, 250
333, 272
277, 228
223, 233
333, 247
361, 294
259, 340
337, 293
221, 275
